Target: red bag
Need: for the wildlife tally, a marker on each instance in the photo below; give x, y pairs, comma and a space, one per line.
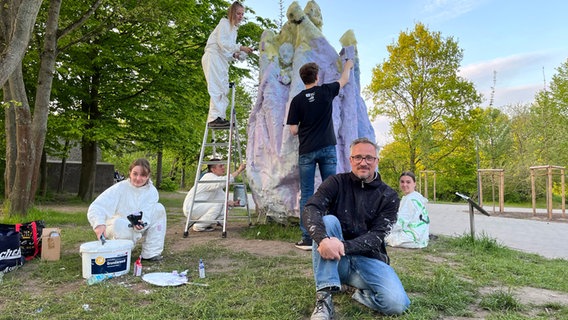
30, 238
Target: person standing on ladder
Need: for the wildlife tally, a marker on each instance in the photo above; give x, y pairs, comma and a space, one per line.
310, 117
222, 48
209, 197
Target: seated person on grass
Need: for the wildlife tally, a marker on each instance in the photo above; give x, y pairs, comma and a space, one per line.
129, 210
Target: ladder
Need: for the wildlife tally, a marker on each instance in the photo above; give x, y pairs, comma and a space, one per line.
221, 145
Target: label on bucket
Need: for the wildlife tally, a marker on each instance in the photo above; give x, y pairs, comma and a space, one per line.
102, 264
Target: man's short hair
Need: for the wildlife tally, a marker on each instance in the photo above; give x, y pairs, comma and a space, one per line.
363, 140
309, 72
211, 165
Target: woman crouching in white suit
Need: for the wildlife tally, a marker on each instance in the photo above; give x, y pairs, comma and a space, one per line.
108, 213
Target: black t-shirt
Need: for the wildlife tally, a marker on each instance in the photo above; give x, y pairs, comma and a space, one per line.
312, 111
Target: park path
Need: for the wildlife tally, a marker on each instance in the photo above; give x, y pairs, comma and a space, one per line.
546, 238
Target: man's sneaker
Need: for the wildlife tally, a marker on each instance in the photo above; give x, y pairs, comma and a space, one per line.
324, 307
304, 245
219, 123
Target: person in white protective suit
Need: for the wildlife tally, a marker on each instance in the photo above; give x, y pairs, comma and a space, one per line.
222, 48
412, 228
210, 192
136, 197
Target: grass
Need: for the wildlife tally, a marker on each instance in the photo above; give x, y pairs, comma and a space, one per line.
451, 278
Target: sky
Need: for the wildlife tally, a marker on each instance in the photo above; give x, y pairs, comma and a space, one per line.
514, 45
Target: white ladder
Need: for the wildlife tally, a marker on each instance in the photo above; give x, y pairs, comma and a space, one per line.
222, 141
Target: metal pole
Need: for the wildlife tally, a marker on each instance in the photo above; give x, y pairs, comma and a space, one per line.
471, 223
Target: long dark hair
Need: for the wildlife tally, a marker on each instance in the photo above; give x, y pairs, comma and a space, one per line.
408, 174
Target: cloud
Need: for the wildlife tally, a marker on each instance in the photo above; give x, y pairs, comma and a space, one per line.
442, 10
504, 66
381, 125
517, 77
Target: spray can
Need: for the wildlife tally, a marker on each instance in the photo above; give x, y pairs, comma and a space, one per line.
201, 269
138, 267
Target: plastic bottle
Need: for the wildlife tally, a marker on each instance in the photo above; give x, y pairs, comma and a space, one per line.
201, 269
138, 267
96, 278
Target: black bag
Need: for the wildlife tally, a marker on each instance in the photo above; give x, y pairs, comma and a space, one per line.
10, 253
30, 238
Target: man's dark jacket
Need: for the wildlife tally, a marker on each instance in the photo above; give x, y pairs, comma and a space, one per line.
366, 212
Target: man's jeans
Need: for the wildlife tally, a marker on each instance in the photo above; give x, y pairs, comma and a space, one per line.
326, 159
379, 287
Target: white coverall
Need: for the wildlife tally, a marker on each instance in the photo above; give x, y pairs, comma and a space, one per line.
221, 45
412, 228
206, 192
122, 199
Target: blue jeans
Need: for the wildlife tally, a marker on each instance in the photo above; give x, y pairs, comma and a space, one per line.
326, 159
379, 287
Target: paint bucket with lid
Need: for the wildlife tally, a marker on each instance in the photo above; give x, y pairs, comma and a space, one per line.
111, 258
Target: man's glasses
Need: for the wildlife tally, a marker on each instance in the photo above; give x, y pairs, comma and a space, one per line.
359, 158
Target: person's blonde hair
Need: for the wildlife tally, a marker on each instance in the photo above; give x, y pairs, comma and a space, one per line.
232, 10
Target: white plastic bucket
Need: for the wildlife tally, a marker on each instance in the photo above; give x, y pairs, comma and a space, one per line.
240, 194
111, 258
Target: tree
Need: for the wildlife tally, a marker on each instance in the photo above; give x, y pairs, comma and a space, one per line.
419, 89
16, 24
136, 79
25, 132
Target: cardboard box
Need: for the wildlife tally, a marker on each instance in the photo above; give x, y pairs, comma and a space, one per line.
51, 244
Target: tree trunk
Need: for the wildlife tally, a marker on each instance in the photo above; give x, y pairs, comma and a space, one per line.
91, 112
159, 169
11, 147
62, 170
20, 194
43, 173
88, 169
27, 135
17, 19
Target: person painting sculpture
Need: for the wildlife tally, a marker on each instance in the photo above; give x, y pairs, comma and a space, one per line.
209, 196
412, 226
222, 48
310, 118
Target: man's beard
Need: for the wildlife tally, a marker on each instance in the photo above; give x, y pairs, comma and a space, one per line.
366, 176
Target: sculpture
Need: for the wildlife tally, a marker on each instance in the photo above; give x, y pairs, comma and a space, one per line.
272, 152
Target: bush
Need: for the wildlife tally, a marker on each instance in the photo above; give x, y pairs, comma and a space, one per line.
168, 185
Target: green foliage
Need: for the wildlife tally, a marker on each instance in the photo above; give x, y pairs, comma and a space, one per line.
430, 106
168, 185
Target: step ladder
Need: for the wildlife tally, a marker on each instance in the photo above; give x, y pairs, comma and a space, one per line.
222, 146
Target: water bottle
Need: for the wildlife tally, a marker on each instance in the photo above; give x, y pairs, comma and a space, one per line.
96, 278
201, 269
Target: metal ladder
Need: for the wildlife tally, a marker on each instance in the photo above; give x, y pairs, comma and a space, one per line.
222, 143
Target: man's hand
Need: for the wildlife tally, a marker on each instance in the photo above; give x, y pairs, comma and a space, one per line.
331, 249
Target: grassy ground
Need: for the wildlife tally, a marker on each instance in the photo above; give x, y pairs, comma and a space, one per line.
256, 273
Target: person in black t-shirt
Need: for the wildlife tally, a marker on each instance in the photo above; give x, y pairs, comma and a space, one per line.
310, 117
